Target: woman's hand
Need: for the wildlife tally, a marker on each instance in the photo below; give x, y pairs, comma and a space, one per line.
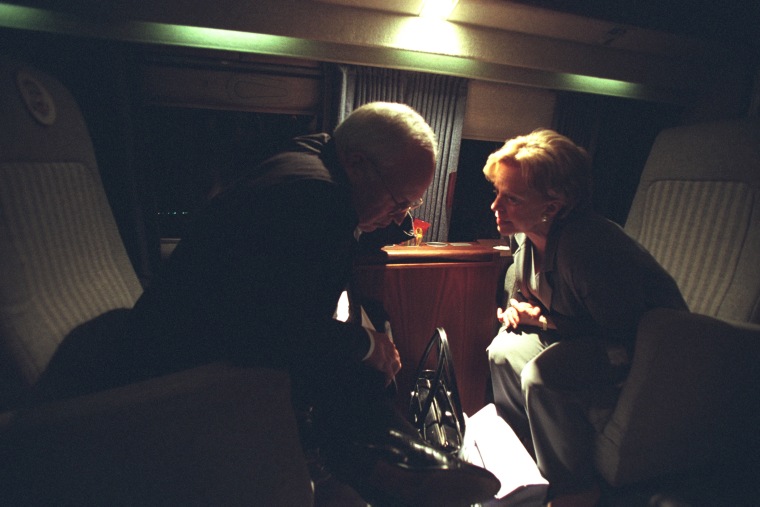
519, 312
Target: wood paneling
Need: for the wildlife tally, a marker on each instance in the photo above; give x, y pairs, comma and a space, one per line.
456, 295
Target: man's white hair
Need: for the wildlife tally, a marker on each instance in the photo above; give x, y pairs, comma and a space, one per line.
383, 132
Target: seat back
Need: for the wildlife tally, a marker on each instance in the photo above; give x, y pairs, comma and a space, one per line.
697, 210
62, 260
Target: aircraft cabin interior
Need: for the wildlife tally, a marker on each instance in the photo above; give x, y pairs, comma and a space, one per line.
142, 111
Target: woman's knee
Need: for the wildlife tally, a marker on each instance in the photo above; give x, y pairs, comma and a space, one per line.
571, 366
513, 350
531, 375
500, 349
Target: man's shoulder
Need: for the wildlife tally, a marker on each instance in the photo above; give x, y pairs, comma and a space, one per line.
311, 143
302, 159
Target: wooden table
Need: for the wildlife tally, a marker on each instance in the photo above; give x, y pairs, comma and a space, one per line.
451, 286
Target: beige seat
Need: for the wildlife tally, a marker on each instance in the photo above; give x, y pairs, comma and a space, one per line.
214, 435
691, 399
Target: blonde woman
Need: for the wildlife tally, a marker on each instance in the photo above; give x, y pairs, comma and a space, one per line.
576, 291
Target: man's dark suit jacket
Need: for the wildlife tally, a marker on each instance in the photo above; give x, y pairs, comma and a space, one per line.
257, 278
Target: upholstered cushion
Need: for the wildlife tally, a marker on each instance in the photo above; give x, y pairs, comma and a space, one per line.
697, 209
691, 398
62, 261
695, 229
213, 435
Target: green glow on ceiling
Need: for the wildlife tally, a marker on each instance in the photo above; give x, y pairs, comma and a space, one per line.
424, 45
418, 44
213, 38
12, 16
600, 85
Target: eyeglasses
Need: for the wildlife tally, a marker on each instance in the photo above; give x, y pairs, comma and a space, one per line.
400, 206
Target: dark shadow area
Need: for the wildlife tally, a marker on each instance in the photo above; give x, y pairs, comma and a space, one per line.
84, 361
471, 215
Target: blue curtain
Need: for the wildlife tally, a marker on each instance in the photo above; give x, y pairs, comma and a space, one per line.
440, 99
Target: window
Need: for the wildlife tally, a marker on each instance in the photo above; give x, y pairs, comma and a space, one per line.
189, 154
471, 217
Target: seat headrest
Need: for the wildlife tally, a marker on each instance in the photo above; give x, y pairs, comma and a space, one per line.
41, 120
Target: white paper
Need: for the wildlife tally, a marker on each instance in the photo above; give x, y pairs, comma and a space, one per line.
489, 442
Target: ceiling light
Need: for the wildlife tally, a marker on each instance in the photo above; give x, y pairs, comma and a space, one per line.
440, 9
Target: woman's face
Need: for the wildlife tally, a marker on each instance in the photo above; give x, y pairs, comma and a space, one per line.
517, 207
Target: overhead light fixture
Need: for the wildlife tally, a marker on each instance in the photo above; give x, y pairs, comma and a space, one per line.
440, 9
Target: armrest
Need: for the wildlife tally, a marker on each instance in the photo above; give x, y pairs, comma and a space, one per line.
214, 435
690, 398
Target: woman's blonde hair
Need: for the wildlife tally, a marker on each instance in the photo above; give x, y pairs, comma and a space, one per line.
551, 164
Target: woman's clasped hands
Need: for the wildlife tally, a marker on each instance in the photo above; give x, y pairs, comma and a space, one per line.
519, 312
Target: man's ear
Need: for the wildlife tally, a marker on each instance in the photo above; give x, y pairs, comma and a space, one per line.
355, 165
352, 160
